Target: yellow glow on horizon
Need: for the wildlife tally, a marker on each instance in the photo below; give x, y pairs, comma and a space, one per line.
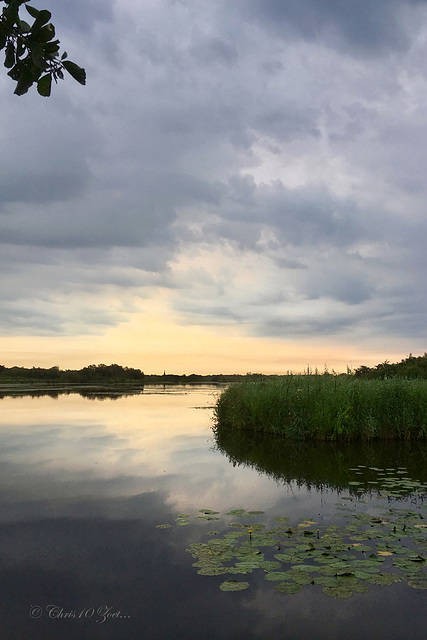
155, 340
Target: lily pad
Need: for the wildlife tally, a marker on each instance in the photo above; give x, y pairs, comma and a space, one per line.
338, 592
270, 565
288, 587
343, 560
233, 585
418, 584
276, 575
302, 579
382, 579
235, 512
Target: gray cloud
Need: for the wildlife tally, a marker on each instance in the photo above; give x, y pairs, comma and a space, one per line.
43, 187
81, 15
261, 161
362, 26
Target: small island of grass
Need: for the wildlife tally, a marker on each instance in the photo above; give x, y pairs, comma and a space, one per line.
356, 406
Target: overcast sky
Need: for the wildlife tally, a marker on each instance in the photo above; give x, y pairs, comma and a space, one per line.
236, 178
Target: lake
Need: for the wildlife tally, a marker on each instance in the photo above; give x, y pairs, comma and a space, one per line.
100, 496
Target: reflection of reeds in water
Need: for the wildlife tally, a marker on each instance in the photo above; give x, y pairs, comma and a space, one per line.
327, 408
322, 464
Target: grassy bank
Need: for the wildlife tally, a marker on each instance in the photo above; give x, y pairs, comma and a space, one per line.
327, 408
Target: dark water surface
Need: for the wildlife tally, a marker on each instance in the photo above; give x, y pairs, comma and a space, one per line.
84, 484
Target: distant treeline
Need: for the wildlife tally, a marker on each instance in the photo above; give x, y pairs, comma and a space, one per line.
94, 373
410, 367
102, 374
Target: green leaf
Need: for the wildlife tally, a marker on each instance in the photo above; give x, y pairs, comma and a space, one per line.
51, 48
302, 579
277, 575
44, 85
74, 70
233, 585
43, 17
46, 33
25, 80
15, 71
341, 592
11, 11
24, 27
32, 11
418, 584
9, 60
21, 47
234, 512
288, 587
37, 57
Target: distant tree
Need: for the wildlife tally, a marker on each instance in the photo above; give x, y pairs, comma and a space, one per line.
410, 367
31, 53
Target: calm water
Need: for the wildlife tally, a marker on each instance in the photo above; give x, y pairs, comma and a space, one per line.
85, 482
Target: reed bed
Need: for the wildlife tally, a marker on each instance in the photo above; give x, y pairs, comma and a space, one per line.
326, 407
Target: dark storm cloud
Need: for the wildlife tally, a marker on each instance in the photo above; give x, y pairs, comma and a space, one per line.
365, 26
304, 216
141, 215
53, 185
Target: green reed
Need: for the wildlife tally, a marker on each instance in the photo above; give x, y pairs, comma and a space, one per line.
327, 407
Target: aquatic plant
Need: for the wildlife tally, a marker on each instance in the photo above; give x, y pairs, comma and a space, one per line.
380, 549
326, 408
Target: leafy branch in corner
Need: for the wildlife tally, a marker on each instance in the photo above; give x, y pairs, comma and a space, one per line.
31, 53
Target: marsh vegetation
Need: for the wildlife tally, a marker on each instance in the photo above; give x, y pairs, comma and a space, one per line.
327, 407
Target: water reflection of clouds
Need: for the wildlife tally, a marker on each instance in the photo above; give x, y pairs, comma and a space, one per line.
193, 478
53, 453
132, 434
80, 499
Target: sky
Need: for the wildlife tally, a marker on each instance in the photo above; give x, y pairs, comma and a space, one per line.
239, 187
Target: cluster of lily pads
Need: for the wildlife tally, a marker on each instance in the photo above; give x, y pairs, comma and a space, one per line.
390, 483
380, 549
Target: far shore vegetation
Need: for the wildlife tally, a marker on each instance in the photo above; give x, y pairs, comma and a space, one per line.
108, 375
412, 367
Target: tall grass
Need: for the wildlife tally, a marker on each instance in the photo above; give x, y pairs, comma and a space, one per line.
327, 408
